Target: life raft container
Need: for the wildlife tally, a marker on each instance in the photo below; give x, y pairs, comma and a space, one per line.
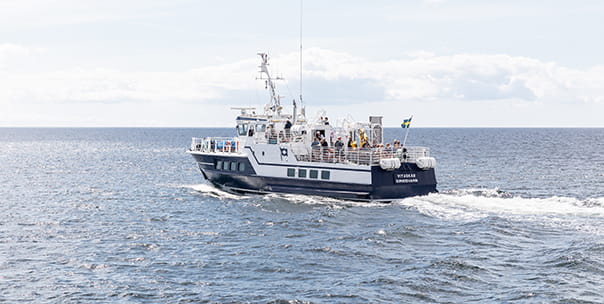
390, 164
425, 163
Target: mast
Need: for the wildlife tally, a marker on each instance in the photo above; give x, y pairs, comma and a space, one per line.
275, 103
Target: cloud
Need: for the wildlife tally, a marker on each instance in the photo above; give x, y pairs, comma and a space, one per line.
102, 85
11, 53
462, 77
330, 76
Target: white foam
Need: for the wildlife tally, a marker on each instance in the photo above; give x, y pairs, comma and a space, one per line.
468, 204
335, 203
210, 190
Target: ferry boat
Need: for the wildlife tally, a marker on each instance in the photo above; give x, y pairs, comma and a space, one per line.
277, 152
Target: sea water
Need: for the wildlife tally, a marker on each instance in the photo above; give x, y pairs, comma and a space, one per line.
124, 216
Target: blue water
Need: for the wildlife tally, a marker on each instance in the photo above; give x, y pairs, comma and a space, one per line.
123, 215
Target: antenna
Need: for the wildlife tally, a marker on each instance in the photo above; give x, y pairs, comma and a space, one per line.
301, 102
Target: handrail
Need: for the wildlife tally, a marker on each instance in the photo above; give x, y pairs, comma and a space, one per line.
360, 156
216, 144
321, 154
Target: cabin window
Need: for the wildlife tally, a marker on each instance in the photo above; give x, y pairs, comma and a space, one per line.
260, 128
313, 174
242, 129
291, 172
242, 167
320, 133
324, 174
225, 165
218, 165
301, 172
233, 166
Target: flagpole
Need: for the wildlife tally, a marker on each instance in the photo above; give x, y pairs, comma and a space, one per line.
407, 133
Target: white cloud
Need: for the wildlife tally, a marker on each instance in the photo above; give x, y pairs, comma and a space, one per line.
10, 53
464, 77
114, 86
463, 81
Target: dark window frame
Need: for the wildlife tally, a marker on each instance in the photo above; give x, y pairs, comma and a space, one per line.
291, 172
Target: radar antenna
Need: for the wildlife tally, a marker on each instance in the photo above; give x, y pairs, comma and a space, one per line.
303, 111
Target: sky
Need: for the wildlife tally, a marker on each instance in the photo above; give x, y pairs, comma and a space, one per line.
182, 63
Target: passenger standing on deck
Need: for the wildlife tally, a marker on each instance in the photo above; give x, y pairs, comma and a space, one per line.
324, 149
267, 132
388, 150
316, 146
288, 127
339, 147
339, 143
397, 144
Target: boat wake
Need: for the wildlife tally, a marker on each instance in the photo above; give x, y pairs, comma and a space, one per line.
210, 190
313, 200
475, 204
461, 204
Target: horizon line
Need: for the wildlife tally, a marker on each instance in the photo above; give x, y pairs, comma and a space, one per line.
228, 127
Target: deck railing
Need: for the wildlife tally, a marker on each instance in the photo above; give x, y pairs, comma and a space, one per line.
216, 144
361, 156
321, 154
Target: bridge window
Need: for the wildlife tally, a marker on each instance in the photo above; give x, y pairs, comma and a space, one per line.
291, 172
233, 166
313, 174
242, 129
302, 173
242, 167
324, 174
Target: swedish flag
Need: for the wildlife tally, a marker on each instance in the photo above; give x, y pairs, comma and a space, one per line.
406, 123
